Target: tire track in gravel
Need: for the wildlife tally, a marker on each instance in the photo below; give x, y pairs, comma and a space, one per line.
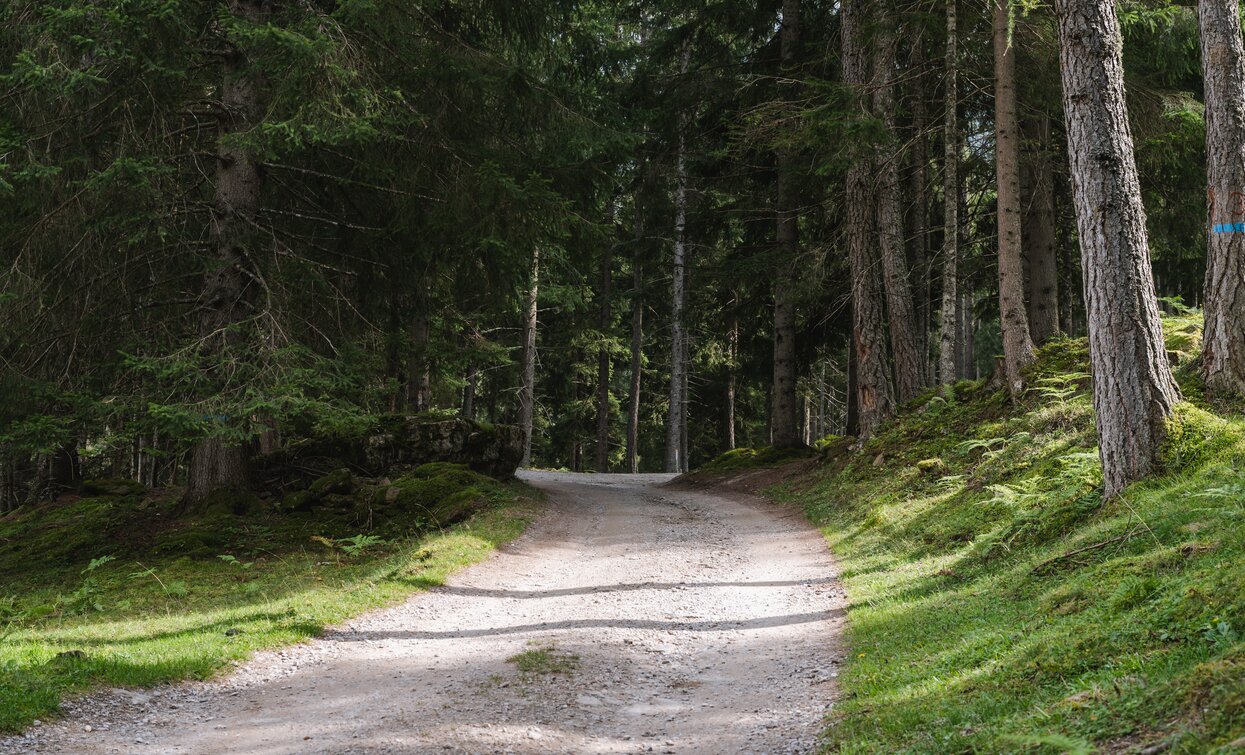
702, 623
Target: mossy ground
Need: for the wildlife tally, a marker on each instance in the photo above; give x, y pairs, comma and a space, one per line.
182, 597
999, 605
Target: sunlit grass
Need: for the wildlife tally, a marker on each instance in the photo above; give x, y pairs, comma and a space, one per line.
1001, 606
164, 618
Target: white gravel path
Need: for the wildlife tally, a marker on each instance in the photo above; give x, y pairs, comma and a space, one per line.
703, 624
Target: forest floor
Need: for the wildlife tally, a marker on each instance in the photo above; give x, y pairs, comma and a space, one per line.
629, 618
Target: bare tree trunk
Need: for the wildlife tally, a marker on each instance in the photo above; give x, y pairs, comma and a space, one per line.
1013, 320
732, 362
1223, 66
674, 417
603, 354
637, 355
1038, 232
527, 376
919, 214
851, 418
418, 379
1134, 393
874, 401
909, 367
967, 358
785, 428
470, 386
230, 284
948, 332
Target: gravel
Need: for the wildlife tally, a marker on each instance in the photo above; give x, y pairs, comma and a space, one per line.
703, 623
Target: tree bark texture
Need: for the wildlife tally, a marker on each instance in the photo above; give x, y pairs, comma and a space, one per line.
527, 371
674, 417
1038, 232
603, 355
1013, 319
874, 402
637, 354
908, 364
230, 285
732, 361
418, 378
948, 330
1134, 393
1223, 67
786, 431
919, 212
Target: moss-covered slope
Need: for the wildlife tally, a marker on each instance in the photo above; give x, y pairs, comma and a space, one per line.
998, 604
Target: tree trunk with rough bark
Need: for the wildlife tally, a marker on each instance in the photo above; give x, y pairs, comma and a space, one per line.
218, 465
471, 383
732, 359
603, 357
674, 417
786, 430
1134, 393
418, 378
637, 354
1038, 232
1223, 68
948, 332
874, 402
919, 213
908, 364
527, 371
1013, 320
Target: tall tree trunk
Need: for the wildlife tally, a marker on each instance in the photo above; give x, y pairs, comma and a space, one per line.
1013, 320
231, 282
1134, 393
919, 213
965, 315
674, 417
637, 354
471, 384
527, 372
785, 428
732, 359
603, 354
851, 418
874, 400
418, 379
948, 332
1223, 66
909, 366
1038, 232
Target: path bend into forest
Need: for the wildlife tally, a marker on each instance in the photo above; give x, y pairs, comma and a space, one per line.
702, 623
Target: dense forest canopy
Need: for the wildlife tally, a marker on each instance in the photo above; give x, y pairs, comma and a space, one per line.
647, 232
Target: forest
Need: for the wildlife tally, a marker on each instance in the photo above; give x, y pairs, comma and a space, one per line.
971, 273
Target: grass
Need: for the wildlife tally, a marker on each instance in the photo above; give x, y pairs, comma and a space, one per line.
544, 660
999, 605
172, 598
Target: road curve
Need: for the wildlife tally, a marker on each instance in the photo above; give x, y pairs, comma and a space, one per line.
701, 623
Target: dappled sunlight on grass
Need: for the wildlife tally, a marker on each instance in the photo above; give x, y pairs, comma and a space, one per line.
177, 617
999, 605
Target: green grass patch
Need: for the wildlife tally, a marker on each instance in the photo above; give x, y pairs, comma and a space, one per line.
544, 660
755, 458
997, 604
115, 590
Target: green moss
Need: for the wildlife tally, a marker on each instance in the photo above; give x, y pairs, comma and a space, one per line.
999, 605
755, 458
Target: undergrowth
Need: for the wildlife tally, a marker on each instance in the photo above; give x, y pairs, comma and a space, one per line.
998, 604
116, 590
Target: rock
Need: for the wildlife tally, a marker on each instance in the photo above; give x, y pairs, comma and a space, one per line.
70, 655
930, 466
233, 632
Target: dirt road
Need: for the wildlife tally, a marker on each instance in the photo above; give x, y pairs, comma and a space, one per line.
681, 621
